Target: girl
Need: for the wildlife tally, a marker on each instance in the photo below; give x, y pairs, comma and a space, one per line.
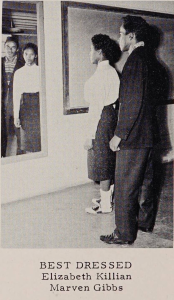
101, 91
27, 108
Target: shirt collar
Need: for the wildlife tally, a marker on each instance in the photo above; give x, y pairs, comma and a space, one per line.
34, 65
11, 61
102, 64
132, 48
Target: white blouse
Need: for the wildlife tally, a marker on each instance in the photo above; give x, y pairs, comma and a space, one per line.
100, 90
26, 80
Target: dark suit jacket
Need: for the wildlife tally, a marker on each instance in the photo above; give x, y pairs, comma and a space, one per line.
4, 86
6, 109
139, 93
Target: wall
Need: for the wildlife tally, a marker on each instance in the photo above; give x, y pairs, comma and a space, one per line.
65, 164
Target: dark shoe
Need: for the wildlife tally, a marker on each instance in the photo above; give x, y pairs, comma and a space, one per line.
109, 237
144, 229
113, 239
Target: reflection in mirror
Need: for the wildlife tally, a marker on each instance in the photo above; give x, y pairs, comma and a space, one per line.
20, 107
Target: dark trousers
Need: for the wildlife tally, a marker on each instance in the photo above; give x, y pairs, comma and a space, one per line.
133, 192
3, 135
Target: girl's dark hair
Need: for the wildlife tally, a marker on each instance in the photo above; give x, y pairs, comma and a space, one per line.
109, 47
31, 46
137, 25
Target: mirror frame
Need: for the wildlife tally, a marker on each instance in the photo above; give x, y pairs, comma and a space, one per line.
42, 94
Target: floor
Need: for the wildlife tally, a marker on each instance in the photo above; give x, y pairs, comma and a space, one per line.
58, 220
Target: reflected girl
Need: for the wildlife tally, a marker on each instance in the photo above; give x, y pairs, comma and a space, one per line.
26, 99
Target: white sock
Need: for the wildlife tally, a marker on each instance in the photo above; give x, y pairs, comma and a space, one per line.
106, 201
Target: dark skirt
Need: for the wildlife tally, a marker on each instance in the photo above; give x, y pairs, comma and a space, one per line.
101, 159
30, 121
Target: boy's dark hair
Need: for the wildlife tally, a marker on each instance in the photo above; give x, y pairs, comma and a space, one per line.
137, 25
12, 39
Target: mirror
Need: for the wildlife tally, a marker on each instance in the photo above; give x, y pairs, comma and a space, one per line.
22, 85
80, 21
